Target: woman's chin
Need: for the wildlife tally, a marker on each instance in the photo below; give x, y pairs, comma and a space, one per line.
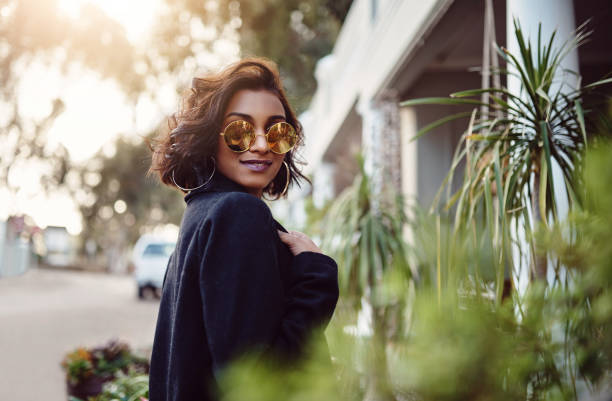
254, 179
254, 186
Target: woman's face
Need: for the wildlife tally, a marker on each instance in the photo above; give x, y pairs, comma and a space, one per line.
257, 167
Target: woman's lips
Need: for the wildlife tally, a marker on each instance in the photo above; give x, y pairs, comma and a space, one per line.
256, 165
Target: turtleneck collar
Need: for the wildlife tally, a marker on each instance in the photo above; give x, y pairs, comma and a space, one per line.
218, 183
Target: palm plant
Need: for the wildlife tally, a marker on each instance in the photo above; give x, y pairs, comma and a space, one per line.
512, 146
368, 246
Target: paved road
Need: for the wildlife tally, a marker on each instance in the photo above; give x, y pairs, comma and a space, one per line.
45, 313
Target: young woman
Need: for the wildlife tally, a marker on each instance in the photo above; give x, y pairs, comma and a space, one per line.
237, 281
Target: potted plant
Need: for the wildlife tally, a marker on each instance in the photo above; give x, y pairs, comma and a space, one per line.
133, 386
87, 369
511, 147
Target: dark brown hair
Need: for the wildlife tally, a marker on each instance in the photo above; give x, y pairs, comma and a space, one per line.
185, 150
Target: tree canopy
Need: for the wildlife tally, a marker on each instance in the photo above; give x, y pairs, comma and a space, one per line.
293, 33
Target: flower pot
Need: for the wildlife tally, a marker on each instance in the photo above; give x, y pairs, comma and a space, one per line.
87, 388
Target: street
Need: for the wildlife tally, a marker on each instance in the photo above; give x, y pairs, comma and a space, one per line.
46, 313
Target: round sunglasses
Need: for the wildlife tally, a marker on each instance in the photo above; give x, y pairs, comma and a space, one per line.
240, 135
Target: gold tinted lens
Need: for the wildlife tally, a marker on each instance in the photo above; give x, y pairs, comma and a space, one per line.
281, 137
239, 135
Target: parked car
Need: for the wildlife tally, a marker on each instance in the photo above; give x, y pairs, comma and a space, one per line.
150, 258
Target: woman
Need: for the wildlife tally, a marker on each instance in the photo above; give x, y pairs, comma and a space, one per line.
237, 281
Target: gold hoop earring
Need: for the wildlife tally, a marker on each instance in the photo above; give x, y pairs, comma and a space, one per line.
287, 180
286, 184
199, 186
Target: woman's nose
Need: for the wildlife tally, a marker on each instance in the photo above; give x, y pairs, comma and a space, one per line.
261, 142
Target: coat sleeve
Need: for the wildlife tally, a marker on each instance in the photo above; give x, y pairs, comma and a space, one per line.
244, 303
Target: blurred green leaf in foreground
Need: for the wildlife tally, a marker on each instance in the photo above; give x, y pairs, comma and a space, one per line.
459, 343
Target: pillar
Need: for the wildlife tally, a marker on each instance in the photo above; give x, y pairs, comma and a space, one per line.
553, 15
381, 144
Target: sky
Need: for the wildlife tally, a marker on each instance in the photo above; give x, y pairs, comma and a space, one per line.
136, 16
81, 128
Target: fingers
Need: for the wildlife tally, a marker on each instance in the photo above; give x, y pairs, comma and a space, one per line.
294, 237
291, 236
295, 234
298, 242
286, 236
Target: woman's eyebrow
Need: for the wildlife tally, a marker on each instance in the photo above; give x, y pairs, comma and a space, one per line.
241, 115
249, 118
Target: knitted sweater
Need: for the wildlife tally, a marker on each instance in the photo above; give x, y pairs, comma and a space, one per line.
232, 286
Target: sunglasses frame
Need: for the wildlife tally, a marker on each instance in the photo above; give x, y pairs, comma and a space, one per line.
254, 137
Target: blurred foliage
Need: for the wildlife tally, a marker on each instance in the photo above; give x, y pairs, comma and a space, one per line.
366, 241
587, 254
34, 31
131, 386
459, 343
119, 202
274, 380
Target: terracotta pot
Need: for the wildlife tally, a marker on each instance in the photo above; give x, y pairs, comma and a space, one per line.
87, 388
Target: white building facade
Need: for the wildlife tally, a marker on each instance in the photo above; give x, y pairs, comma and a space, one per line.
394, 50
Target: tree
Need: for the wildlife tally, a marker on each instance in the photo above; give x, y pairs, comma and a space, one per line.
293, 33
119, 202
36, 31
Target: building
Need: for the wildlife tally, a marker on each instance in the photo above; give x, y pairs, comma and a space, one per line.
16, 250
393, 50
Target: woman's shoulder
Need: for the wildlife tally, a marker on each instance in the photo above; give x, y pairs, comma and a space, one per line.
233, 207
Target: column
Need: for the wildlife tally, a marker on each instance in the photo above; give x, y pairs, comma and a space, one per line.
381, 144
554, 15
323, 184
409, 162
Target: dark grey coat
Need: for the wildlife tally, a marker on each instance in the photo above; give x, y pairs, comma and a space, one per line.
233, 286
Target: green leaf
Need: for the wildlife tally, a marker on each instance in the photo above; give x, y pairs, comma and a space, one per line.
580, 116
441, 101
498, 179
598, 83
371, 247
438, 123
364, 265
543, 94
542, 189
545, 140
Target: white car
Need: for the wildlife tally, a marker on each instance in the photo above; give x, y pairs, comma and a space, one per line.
150, 257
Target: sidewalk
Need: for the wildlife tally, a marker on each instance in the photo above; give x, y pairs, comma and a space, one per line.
45, 313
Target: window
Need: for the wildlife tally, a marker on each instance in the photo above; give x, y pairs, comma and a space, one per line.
160, 249
373, 10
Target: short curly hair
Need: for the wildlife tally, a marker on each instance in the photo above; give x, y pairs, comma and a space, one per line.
192, 135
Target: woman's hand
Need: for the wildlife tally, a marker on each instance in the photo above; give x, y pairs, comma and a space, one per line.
298, 242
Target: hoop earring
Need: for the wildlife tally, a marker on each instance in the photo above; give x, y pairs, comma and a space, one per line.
286, 184
199, 186
286, 181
